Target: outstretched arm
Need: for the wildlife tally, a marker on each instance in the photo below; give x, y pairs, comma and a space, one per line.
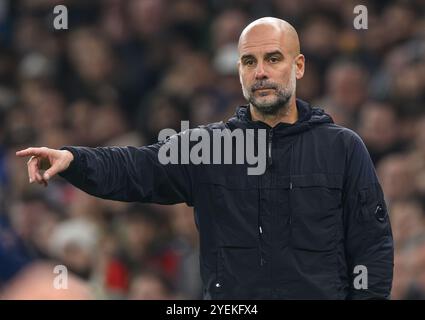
116, 173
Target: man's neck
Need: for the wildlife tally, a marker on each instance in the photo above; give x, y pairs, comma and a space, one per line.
285, 115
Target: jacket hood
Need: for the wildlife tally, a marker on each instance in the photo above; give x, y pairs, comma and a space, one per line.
308, 117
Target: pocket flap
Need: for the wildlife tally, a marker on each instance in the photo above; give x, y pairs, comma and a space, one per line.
334, 181
231, 182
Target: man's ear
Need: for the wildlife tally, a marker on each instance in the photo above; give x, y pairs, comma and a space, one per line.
300, 66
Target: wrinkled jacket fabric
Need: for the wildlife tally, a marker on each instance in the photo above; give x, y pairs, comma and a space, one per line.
305, 229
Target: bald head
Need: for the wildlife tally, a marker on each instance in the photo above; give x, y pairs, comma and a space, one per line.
274, 29
269, 65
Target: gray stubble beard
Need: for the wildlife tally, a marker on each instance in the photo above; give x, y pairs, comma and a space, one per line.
278, 105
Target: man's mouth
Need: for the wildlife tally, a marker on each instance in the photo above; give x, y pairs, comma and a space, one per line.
263, 90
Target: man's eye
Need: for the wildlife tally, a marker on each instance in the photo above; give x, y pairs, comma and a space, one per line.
273, 59
249, 62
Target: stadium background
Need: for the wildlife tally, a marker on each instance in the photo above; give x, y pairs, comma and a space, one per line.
127, 68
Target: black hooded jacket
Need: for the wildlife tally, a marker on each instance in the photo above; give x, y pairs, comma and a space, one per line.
313, 226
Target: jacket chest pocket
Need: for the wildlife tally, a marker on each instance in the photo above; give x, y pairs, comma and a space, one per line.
316, 209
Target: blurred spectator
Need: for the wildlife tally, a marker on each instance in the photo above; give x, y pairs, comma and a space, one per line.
346, 87
74, 243
408, 222
416, 268
396, 175
188, 278
379, 129
150, 285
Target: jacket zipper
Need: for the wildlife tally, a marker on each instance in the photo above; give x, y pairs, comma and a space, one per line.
269, 152
290, 207
260, 228
269, 163
290, 195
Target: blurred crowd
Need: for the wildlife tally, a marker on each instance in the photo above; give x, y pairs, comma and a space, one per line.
125, 69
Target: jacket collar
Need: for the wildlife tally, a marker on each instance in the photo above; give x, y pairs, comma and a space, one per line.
308, 117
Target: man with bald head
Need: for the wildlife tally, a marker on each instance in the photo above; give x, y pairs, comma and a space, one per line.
313, 225
269, 65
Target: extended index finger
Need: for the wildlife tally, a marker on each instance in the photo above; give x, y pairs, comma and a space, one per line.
32, 152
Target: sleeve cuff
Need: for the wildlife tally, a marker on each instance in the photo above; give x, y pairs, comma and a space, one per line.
72, 170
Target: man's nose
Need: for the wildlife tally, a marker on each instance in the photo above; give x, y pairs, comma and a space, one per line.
260, 72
